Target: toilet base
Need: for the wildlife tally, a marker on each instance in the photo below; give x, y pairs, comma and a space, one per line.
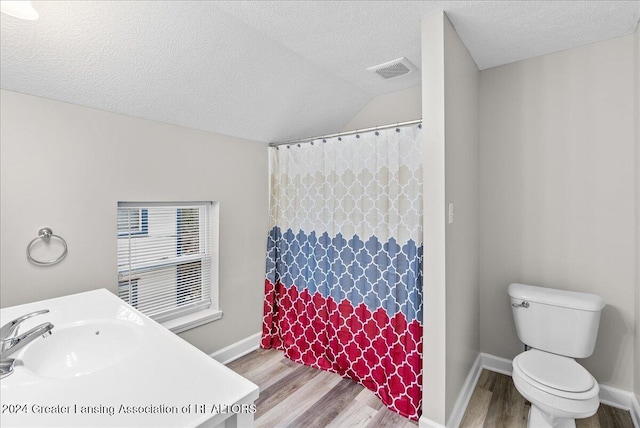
537, 419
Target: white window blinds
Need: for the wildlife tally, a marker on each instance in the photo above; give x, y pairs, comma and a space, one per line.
164, 258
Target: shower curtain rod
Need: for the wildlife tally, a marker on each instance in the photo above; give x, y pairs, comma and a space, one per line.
342, 134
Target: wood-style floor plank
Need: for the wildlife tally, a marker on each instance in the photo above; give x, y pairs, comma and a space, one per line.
369, 399
354, 415
327, 408
506, 406
591, 422
262, 367
293, 395
477, 408
284, 388
610, 417
297, 401
487, 380
387, 418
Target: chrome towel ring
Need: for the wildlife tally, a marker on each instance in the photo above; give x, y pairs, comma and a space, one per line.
46, 234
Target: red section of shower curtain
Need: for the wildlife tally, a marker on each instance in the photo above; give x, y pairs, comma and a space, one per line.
380, 352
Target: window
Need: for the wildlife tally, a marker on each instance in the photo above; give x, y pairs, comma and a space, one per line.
134, 221
167, 263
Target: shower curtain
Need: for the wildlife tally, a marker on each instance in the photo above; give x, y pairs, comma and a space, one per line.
343, 289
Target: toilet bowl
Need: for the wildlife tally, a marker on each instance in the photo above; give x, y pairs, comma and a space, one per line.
558, 326
560, 390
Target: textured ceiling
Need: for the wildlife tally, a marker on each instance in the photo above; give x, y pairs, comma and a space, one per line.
272, 70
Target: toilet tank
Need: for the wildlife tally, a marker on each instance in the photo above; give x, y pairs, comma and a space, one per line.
558, 321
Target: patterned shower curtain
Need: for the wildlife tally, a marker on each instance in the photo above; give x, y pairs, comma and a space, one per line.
343, 289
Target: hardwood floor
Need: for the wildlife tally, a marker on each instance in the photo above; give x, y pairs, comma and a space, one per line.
293, 395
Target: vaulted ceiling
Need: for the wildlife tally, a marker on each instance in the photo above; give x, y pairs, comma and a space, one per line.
268, 70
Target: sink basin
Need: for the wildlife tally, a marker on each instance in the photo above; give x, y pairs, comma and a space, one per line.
81, 349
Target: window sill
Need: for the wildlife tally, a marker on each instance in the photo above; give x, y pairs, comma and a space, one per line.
190, 321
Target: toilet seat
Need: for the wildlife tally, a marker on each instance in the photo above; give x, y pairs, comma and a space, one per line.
555, 374
555, 371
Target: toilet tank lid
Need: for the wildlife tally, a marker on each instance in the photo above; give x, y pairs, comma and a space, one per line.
555, 297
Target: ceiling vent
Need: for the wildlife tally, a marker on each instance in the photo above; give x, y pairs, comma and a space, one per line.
396, 68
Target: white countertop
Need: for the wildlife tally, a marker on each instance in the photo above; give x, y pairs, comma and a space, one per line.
163, 379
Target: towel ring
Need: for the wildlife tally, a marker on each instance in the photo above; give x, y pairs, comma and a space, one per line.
46, 234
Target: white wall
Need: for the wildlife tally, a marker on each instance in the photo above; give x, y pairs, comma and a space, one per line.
461, 189
636, 369
67, 166
434, 266
450, 122
557, 193
400, 106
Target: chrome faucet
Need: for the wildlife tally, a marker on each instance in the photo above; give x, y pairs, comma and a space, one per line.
11, 342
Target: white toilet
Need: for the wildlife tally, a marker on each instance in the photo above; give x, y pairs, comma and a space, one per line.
558, 326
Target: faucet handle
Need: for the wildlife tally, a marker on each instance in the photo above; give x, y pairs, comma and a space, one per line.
11, 326
11, 345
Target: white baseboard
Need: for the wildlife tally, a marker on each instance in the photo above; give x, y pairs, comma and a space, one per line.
496, 364
635, 411
238, 349
465, 393
425, 422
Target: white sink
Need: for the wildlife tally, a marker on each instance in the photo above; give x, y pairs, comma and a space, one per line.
81, 349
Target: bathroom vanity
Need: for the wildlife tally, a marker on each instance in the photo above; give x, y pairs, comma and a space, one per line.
106, 364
